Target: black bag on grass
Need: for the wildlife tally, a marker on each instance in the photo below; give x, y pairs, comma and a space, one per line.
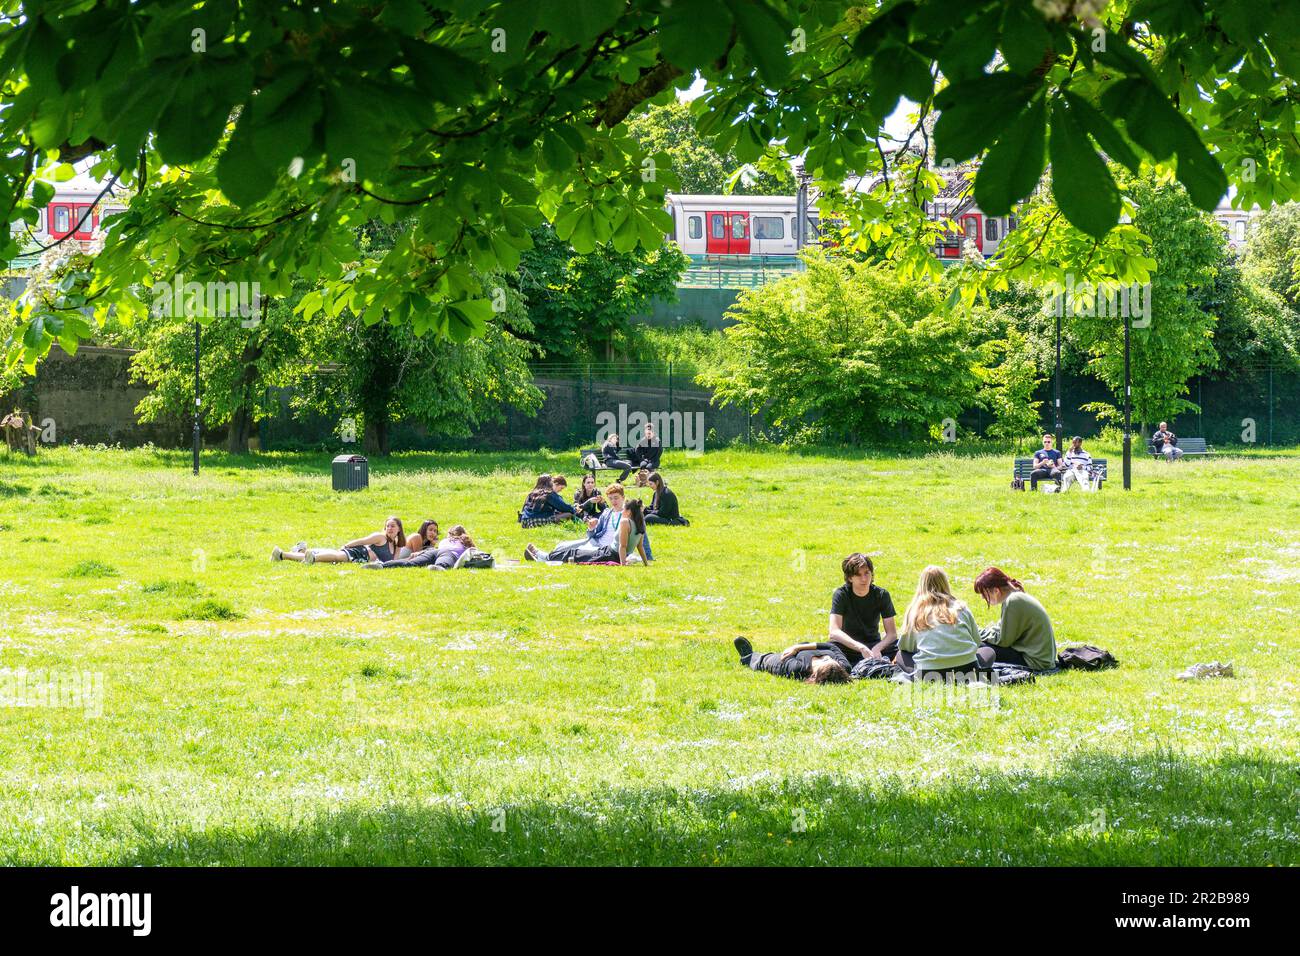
1006, 673
1085, 657
872, 668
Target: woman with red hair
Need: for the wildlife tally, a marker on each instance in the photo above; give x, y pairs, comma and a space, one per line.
1023, 634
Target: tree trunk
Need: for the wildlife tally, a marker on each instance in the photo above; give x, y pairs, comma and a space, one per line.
376, 437
241, 420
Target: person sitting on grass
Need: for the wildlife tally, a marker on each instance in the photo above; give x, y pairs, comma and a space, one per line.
544, 505
631, 533
1047, 464
1023, 633
588, 500
663, 507
609, 451
940, 635
602, 543
859, 608
811, 663
380, 546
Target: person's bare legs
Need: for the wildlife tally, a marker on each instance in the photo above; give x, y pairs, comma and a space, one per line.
330, 556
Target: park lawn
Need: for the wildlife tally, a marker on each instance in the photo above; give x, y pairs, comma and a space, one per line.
259, 713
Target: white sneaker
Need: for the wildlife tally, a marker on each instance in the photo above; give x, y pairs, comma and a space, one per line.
309, 557
277, 554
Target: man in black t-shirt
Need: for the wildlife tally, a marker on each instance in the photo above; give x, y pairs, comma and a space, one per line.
859, 609
1047, 464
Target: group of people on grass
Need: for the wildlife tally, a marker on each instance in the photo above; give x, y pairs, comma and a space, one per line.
939, 635
390, 547
644, 455
546, 504
616, 534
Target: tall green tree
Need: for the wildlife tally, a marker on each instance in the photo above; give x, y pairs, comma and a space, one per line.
480, 119
1174, 340
580, 304
1272, 253
669, 128
852, 350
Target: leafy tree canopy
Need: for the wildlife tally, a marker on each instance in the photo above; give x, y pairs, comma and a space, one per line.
292, 124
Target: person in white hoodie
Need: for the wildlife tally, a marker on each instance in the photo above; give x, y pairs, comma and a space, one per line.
939, 633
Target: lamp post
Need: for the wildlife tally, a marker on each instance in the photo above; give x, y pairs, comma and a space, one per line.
1128, 403
197, 399
1059, 426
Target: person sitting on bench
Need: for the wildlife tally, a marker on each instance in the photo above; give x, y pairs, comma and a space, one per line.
811, 663
859, 608
1047, 464
1078, 467
1023, 633
647, 451
663, 506
940, 635
610, 452
544, 505
1165, 443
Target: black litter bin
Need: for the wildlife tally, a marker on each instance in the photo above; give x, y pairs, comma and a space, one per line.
351, 473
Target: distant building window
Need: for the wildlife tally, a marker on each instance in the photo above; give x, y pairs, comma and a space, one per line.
769, 227
1241, 229
1012, 222
695, 227
991, 229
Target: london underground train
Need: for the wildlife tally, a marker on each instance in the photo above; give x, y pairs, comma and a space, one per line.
708, 226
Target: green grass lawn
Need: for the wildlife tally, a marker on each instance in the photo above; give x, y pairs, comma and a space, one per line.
259, 713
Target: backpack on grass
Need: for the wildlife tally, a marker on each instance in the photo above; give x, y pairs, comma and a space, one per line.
474, 558
1085, 657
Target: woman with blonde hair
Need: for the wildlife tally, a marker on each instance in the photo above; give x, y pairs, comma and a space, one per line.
939, 633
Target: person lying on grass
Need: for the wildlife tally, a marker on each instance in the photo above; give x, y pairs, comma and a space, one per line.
808, 662
380, 546
612, 538
940, 635
421, 547
545, 505
859, 608
1023, 634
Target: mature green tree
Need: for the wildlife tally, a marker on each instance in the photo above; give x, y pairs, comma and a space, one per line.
1256, 327
580, 304
669, 128
1272, 253
479, 118
242, 358
851, 349
376, 374
1173, 340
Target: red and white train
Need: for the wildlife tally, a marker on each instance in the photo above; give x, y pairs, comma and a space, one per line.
739, 225
73, 212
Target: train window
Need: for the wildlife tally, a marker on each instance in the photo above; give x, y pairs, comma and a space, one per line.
695, 227
769, 227
814, 230
716, 226
1012, 222
1241, 229
739, 226
991, 229
62, 220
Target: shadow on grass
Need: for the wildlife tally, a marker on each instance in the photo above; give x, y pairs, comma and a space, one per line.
1095, 809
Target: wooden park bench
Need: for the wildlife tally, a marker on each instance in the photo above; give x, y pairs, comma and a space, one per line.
1025, 467
1188, 446
623, 453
